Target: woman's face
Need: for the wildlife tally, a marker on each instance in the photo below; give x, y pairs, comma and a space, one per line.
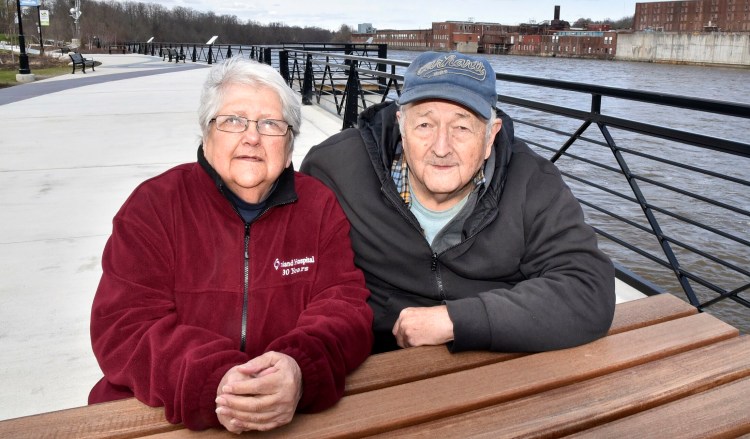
249, 163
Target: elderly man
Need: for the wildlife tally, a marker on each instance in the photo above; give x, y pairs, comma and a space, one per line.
465, 235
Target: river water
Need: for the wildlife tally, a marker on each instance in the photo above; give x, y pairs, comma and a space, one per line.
715, 83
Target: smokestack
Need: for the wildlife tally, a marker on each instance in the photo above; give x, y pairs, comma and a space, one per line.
557, 13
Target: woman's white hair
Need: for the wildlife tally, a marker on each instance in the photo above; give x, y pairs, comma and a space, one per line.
243, 71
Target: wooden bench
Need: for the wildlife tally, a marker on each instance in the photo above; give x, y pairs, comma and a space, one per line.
411, 365
117, 48
79, 60
172, 53
673, 351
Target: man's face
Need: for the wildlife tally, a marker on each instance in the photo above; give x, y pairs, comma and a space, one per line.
444, 145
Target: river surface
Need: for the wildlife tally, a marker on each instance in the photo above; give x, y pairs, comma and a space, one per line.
714, 83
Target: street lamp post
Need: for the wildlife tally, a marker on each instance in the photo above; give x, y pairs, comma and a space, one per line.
75, 12
24, 72
23, 58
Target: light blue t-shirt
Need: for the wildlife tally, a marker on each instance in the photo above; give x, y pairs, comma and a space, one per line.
433, 221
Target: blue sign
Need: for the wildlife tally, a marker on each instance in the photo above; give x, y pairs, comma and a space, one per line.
29, 2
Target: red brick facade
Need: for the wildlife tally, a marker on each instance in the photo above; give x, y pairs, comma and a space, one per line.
495, 38
693, 16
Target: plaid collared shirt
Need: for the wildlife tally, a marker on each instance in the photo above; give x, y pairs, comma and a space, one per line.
400, 175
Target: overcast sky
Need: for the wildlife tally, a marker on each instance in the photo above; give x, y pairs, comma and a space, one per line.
406, 14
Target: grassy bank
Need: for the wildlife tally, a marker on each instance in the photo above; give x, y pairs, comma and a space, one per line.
8, 77
41, 66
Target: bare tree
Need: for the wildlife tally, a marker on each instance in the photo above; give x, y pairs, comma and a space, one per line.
113, 21
344, 34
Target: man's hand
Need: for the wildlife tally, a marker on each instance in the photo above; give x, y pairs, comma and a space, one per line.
423, 326
261, 394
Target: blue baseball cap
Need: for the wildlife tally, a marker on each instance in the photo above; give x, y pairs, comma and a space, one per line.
464, 79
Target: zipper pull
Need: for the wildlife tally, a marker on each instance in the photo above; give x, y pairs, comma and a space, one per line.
247, 240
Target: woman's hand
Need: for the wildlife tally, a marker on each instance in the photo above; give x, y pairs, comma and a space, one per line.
261, 394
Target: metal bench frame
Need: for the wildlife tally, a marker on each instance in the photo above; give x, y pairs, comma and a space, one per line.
79, 60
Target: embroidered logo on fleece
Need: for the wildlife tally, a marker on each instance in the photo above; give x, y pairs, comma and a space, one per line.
452, 64
293, 266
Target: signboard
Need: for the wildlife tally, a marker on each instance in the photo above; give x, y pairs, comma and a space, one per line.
30, 3
44, 17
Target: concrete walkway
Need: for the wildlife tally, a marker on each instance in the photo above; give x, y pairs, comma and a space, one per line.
72, 148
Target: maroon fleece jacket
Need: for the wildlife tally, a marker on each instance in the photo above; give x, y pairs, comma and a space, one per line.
167, 319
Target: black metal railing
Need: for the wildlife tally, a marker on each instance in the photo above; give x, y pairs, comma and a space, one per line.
669, 198
635, 179
211, 53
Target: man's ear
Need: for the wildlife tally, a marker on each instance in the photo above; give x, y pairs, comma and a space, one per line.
495, 129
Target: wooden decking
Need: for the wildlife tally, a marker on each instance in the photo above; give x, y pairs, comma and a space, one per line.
663, 371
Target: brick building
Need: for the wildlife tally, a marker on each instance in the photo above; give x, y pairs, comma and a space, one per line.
462, 36
569, 43
548, 38
693, 16
409, 39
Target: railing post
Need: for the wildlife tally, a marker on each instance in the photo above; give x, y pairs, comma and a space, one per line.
210, 54
284, 65
195, 53
382, 53
229, 51
267, 55
351, 109
307, 82
348, 50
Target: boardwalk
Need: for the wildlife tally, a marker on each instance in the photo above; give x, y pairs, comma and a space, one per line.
72, 148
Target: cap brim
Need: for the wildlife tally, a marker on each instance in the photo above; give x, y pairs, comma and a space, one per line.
449, 92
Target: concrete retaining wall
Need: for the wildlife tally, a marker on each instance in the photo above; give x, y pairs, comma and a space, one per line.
685, 48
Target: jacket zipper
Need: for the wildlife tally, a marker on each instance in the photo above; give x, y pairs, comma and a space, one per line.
245, 289
434, 261
438, 278
246, 257
246, 282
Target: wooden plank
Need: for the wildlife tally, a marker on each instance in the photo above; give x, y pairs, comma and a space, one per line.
118, 419
129, 418
414, 364
649, 311
396, 407
604, 399
406, 365
721, 412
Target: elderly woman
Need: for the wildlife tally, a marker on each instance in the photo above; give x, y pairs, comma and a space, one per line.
229, 293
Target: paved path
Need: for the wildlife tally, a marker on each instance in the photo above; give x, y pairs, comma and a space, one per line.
72, 148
